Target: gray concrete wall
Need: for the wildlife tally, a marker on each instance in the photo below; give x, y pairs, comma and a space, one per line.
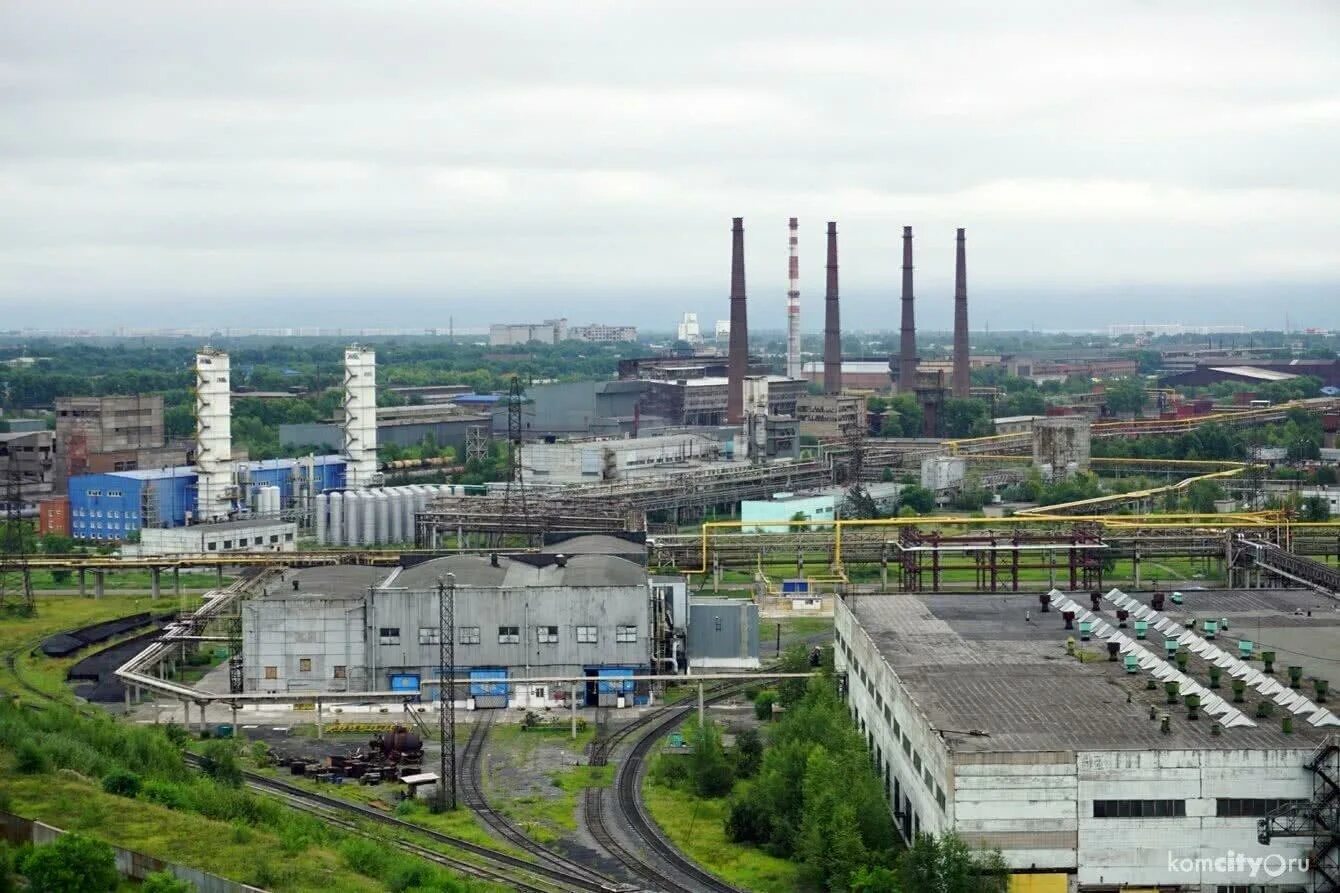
722, 632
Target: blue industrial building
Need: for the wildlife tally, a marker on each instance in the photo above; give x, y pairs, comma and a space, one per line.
114, 505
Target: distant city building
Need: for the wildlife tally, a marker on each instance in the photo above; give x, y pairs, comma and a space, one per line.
598, 333
688, 330
551, 331
723, 330
1175, 328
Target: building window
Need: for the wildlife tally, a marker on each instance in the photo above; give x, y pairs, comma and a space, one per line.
288, 537
388, 635
429, 635
341, 672
211, 547
468, 635
1250, 807
274, 538
587, 635
227, 544
625, 634
546, 635
1138, 809
271, 672
940, 797
304, 665
509, 635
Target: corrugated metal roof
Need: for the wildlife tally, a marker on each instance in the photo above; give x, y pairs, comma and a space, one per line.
1255, 372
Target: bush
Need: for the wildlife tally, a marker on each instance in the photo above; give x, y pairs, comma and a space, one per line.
367, 857
671, 770
708, 767
763, 705
164, 793
165, 882
71, 864
30, 759
748, 752
121, 782
218, 759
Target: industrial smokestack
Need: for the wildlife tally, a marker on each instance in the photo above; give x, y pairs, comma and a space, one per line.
832, 322
962, 383
793, 304
738, 366
907, 346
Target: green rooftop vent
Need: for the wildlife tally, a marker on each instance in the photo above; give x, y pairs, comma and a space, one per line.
1085, 630
1170, 691
1141, 628
1295, 677
1268, 658
1244, 648
1210, 627
1177, 598
1131, 663
1215, 673
1239, 688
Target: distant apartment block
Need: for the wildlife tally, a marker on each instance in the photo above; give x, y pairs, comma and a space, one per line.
551, 331
598, 333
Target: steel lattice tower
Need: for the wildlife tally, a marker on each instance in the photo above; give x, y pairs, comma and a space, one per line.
446, 689
514, 496
16, 582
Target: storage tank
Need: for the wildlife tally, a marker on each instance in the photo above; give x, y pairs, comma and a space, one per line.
368, 525
395, 519
272, 501
353, 518
407, 498
335, 532
322, 503
382, 502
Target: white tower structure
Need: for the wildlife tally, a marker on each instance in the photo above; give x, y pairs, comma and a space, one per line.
793, 306
688, 329
213, 435
360, 416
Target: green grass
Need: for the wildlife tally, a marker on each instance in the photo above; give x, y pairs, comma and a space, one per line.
249, 854
57, 613
128, 580
697, 826
550, 815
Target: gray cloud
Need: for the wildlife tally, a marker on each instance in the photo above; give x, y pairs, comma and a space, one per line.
256, 163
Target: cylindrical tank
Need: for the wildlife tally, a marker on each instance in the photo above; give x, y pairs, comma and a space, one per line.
272, 501
394, 515
367, 526
335, 532
319, 522
406, 515
353, 517
383, 520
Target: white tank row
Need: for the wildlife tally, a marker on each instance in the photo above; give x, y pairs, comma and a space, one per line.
265, 501
375, 517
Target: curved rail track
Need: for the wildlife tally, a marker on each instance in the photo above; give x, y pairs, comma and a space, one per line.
473, 794
515, 871
628, 808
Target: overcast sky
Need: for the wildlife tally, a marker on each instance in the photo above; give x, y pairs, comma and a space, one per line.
328, 163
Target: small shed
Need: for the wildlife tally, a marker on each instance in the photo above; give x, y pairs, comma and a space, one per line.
420, 786
723, 633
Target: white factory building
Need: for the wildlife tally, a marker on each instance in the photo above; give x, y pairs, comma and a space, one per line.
1141, 761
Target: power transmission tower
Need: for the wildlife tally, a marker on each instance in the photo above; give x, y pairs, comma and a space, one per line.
514, 496
476, 443
446, 689
16, 582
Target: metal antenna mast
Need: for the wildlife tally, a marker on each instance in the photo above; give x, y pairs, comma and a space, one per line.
16, 582
446, 689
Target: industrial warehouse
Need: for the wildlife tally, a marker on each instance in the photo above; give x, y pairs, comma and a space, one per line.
582, 607
1100, 737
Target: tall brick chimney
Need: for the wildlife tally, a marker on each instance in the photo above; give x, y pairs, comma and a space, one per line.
962, 381
738, 366
832, 320
907, 346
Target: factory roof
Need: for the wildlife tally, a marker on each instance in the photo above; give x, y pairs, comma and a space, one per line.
155, 474
334, 581
1255, 372
855, 367
478, 571
245, 524
991, 672
722, 381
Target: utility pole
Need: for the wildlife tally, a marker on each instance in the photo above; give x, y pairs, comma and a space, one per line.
446, 689
16, 582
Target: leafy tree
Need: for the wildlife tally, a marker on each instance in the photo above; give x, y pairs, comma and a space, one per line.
967, 417
1125, 395
218, 759
1315, 508
903, 417
919, 499
708, 767
121, 782
748, 752
946, 864
763, 704
1202, 495
71, 863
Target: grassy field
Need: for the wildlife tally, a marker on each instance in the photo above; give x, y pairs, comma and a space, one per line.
56, 613
697, 826
127, 580
552, 815
248, 854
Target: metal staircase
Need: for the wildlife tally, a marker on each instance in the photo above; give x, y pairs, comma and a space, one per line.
1318, 818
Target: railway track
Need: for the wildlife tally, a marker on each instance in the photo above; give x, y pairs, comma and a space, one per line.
628, 809
471, 773
515, 871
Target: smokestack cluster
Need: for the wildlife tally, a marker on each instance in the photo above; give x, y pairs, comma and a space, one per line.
907, 346
738, 365
962, 381
832, 320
